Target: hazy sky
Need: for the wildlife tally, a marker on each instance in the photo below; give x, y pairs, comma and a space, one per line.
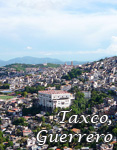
64, 29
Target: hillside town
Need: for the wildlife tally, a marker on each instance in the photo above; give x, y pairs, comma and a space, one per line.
30, 100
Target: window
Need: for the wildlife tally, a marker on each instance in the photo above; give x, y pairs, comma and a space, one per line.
62, 103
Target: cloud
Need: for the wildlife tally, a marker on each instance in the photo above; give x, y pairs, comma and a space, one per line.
75, 26
111, 50
28, 47
43, 5
54, 24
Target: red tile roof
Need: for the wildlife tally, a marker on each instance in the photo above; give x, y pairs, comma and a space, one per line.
76, 130
25, 131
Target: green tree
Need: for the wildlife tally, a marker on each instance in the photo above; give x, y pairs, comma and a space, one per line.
43, 119
25, 94
20, 121
10, 143
1, 147
114, 131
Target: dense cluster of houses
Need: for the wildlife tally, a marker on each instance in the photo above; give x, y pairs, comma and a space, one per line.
102, 76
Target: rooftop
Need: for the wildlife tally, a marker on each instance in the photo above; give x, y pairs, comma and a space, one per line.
53, 92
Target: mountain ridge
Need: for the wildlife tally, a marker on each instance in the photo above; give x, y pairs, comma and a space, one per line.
36, 60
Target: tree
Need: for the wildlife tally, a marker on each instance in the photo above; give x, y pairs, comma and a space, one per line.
55, 111
79, 103
1, 147
1, 140
18, 132
20, 121
43, 119
74, 73
4, 86
10, 143
25, 94
115, 146
114, 131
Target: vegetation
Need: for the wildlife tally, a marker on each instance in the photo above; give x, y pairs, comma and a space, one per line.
28, 89
3, 139
34, 89
115, 131
6, 97
31, 111
4, 86
20, 121
79, 103
112, 93
22, 67
74, 73
96, 98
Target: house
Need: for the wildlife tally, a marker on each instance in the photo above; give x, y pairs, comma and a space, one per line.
45, 146
106, 147
55, 98
50, 118
26, 132
53, 148
16, 145
86, 148
76, 130
31, 142
65, 87
11, 112
66, 148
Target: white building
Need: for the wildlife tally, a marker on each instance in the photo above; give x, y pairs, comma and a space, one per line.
31, 142
55, 98
87, 94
